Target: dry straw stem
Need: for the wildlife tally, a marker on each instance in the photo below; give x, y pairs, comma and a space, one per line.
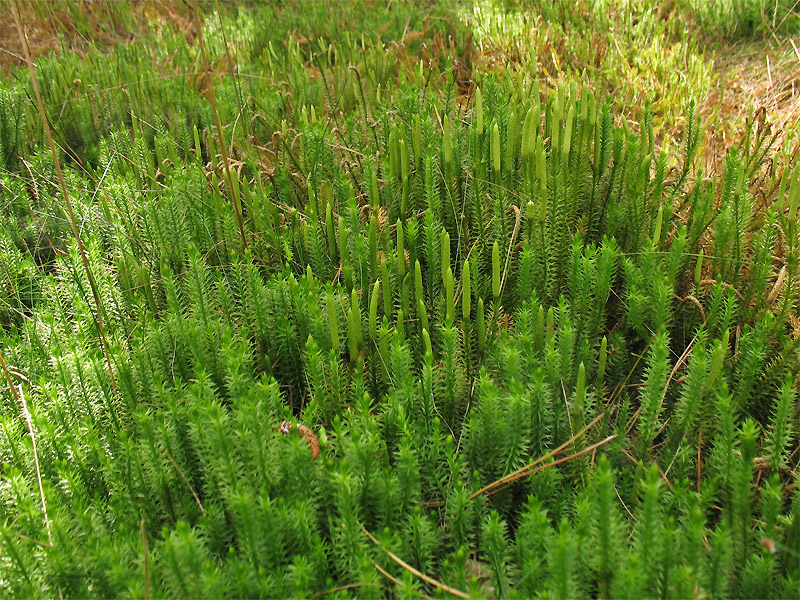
394, 579
517, 221
500, 485
350, 586
586, 450
26, 413
19, 397
146, 553
680, 362
412, 570
223, 148
63, 184
186, 481
530, 468
7, 374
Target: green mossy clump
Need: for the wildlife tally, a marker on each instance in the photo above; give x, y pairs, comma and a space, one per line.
541, 354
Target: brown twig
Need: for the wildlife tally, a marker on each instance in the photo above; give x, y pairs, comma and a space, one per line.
33, 541
529, 466
186, 481
699, 459
146, 552
517, 221
413, 571
663, 475
62, 182
29, 422
349, 586
394, 580
19, 397
7, 374
223, 148
591, 448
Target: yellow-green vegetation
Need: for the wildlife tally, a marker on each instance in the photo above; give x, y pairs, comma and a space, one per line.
372, 299
637, 54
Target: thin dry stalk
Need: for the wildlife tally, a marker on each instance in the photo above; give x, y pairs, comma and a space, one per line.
394, 580
635, 461
232, 64
586, 450
223, 148
517, 221
349, 586
528, 467
186, 481
33, 541
19, 397
146, 552
677, 366
699, 459
413, 571
46, 124
29, 422
7, 374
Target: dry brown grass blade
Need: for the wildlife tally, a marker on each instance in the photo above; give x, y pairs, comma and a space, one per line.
349, 586
7, 374
541, 459
186, 481
19, 397
232, 64
412, 570
517, 222
223, 148
146, 552
555, 463
699, 459
394, 580
635, 461
26, 413
57, 163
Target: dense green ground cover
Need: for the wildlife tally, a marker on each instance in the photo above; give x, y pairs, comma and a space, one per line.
543, 349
